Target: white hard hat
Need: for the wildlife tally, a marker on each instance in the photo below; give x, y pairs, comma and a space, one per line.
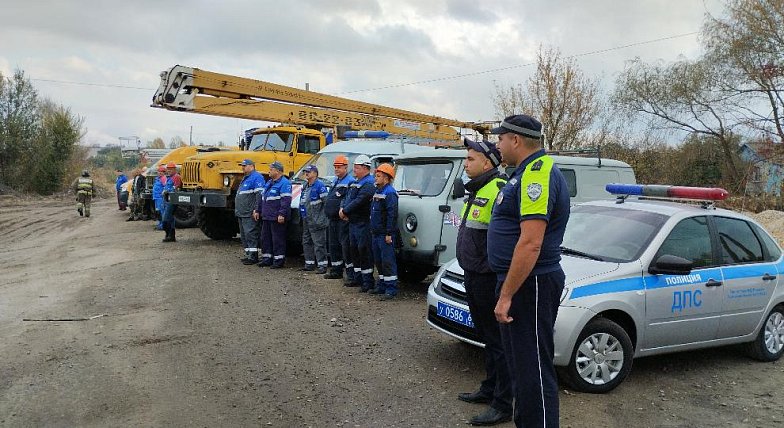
363, 160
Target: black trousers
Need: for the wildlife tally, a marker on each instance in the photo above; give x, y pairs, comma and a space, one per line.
481, 297
339, 250
528, 344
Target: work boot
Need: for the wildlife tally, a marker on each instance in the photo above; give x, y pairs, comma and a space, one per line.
129, 219
276, 267
307, 268
477, 397
385, 297
167, 238
491, 416
377, 290
321, 270
81, 213
250, 261
333, 275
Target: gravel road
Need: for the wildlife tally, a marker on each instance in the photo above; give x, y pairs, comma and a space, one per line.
183, 334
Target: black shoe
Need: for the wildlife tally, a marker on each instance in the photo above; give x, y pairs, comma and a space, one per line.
248, 262
333, 275
385, 297
377, 290
81, 213
168, 239
321, 270
478, 397
351, 284
490, 416
307, 269
129, 219
276, 267
364, 289
265, 264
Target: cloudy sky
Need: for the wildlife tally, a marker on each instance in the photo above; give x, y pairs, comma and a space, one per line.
369, 50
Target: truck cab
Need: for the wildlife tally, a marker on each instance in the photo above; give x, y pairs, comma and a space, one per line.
431, 196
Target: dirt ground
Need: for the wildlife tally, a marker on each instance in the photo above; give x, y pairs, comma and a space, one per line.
185, 335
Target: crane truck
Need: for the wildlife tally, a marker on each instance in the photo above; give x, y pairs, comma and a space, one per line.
210, 180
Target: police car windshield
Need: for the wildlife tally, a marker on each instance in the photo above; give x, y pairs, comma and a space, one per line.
610, 233
272, 141
422, 179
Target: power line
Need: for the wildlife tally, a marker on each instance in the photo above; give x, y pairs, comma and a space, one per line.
419, 82
92, 84
494, 70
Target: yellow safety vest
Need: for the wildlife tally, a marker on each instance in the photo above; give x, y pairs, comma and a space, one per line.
481, 207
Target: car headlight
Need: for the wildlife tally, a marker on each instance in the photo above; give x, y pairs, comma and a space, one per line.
411, 222
564, 293
226, 181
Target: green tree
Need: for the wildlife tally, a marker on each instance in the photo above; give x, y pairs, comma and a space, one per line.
19, 122
54, 145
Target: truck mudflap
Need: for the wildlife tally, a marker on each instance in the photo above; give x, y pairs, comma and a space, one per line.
199, 199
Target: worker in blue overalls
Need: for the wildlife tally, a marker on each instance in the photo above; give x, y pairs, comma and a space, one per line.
339, 251
157, 195
173, 182
245, 202
356, 209
526, 230
314, 221
274, 210
383, 227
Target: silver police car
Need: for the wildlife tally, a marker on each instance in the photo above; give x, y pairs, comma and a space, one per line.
647, 277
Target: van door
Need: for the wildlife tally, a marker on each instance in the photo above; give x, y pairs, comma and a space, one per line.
451, 220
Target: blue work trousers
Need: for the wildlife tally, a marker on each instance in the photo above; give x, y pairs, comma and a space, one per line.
386, 264
529, 349
361, 254
273, 243
168, 216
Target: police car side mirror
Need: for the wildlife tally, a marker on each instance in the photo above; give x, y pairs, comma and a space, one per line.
668, 264
458, 189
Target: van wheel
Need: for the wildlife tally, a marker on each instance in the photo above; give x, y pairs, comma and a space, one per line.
601, 358
769, 344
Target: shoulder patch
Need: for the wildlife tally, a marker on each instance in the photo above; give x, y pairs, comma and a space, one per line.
534, 191
537, 165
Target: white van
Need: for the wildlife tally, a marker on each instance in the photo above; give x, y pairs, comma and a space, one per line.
431, 196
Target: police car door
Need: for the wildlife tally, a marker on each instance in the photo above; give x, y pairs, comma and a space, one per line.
750, 276
682, 309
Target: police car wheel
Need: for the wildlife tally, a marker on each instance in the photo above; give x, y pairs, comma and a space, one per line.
601, 358
769, 344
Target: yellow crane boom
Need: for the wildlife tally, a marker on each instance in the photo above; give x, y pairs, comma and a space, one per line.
199, 91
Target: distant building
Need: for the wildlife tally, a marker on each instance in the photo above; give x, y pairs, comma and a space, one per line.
767, 167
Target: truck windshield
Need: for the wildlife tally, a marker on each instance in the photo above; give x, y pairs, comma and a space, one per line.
422, 179
272, 141
610, 233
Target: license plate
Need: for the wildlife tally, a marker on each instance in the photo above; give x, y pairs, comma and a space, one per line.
184, 199
454, 314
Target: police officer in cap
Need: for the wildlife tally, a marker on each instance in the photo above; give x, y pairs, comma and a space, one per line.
526, 229
481, 166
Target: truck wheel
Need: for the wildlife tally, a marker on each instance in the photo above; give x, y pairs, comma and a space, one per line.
185, 216
217, 224
769, 343
601, 358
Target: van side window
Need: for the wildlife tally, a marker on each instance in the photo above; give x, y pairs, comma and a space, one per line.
571, 181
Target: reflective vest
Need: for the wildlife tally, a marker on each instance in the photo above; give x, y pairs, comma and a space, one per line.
85, 185
476, 215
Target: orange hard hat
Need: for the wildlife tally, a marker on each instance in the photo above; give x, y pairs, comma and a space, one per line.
161, 168
341, 160
171, 165
386, 169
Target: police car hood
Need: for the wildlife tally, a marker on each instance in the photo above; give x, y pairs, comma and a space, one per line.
578, 270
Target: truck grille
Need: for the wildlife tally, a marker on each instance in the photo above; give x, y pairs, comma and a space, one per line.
448, 284
191, 172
